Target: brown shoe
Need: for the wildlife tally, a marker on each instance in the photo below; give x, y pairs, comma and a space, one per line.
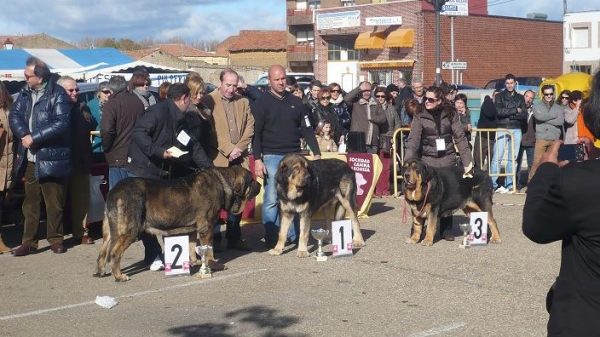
86, 240
58, 248
23, 250
4, 248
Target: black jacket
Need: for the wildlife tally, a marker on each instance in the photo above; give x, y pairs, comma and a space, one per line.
488, 117
561, 206
507, 104
327, 112
49, 130
156, 131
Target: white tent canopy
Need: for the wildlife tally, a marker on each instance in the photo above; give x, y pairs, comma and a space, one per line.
159, 75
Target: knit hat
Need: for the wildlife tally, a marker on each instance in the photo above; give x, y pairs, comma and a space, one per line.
392, 87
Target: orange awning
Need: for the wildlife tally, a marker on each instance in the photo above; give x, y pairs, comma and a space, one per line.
400, 38
386, 64
369, 41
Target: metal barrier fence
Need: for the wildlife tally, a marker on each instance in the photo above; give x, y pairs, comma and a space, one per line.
401, 135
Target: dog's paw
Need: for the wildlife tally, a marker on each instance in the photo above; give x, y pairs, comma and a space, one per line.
358, 244
302, 253
99, 274
427, 243
122, 278
216, 266
411, 240
275, 252
495, 240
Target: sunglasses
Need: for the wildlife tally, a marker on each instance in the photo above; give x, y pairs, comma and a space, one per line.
380, 96
326, 97
336, 90
430, 99
71, 90
548, 94
107, 92
563, 97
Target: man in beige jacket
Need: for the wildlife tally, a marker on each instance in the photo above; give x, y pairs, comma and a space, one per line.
233, 125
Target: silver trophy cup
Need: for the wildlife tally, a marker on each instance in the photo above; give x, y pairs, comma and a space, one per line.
319, 235
203, 251
466, 229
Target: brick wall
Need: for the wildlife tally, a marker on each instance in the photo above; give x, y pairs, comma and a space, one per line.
257, 59
494, 46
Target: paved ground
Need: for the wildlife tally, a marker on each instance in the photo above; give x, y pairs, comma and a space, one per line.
388, 288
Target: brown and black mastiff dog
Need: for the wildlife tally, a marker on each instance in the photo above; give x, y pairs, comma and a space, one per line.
168, 207
437, 192
304, 187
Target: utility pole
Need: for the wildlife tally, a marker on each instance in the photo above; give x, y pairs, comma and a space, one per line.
437, 5
564, 7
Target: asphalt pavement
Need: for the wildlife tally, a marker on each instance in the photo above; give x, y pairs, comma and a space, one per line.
387, 288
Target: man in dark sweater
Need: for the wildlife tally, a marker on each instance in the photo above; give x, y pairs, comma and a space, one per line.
484, 140
280, 120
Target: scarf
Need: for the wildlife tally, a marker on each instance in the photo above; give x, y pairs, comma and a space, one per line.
146, 97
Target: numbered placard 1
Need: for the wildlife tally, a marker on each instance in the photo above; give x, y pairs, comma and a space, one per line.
341, 238
479, 227
177, 255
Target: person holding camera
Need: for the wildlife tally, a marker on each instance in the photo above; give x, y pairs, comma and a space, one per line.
560, 206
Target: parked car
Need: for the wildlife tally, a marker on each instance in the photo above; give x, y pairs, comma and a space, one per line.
300, 77
523, 83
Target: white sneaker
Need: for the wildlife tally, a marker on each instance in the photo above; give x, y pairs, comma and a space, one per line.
157, 265
501, 190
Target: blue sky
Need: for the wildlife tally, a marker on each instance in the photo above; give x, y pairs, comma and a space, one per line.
191, 20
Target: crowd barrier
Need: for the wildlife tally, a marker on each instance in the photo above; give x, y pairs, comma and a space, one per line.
398, 149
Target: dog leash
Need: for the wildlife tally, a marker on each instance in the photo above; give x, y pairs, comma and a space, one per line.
405, 212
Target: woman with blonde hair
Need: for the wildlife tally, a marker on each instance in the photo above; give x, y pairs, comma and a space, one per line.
6, 154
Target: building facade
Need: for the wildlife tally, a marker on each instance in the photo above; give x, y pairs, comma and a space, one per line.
581, 42
380, 41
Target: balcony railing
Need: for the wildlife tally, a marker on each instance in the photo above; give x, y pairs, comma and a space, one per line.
300, 17
300, 53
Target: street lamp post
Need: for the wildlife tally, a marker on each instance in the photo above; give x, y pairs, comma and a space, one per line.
437, 5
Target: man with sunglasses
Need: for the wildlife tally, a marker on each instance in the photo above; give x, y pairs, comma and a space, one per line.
40, 121
512, 114
549, 123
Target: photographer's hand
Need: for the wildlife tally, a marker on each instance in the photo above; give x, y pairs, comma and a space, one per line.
551, 155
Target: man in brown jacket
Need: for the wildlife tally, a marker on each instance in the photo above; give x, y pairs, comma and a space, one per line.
233, 125
119, 115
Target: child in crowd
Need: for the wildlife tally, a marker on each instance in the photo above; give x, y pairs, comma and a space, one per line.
325, 136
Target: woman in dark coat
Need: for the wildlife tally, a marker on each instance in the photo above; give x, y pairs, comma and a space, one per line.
561, 205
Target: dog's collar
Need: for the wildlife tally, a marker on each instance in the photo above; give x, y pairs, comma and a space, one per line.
424, 200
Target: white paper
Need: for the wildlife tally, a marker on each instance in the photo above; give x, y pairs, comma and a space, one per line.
175, 152
106, 301
183, 138
440, 144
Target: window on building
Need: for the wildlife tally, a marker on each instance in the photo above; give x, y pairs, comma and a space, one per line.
380, 77
300, 5
314, 4
581, 69
580, 37
304, 38
342, 50
347, 3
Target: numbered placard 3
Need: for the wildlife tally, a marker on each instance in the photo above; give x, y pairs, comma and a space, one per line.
177, 256
479, 229
341, 238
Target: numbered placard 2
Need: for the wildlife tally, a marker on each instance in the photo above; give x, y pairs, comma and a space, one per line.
177, 255
479, 229
341, 238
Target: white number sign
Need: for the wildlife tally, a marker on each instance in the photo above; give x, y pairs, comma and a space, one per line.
177, 256
479, 227
341, 238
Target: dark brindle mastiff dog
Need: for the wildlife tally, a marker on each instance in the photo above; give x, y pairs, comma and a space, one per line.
169, 207
304, 187
437, 192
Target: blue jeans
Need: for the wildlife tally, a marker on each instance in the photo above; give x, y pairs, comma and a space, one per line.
270, 207
529, 150
503, 141
116, 174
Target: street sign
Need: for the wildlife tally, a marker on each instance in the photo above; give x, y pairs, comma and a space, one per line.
455, 8
454, 65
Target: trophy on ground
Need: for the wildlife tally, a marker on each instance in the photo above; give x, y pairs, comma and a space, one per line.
319, 235
205, 271
466, 229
